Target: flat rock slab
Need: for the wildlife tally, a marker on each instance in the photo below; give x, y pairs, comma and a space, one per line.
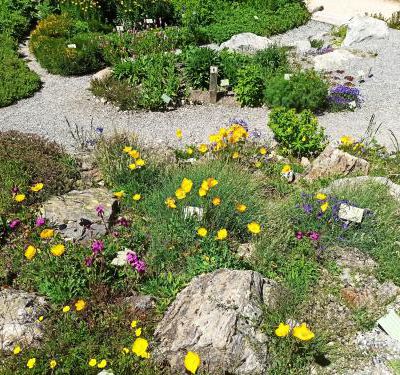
218, 316
75, 213
365, 28
19, 313
338, 59
246, 43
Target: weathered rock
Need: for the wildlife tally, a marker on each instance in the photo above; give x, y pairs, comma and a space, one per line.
19, 313
212, 46
75, 213
218, 315
338, 59
246, 43
246, 250
333, 162
362, 28
302, 46
349, 182
102, 74
141, 303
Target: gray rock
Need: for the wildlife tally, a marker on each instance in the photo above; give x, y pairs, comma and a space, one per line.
19, 313
218, 316
141, 303
74, 211
333, 161
338, 59
246, 250
212, 46
102, 74
302, 46
362, 28
246, 43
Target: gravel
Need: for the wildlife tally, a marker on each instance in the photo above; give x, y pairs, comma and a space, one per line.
68, 97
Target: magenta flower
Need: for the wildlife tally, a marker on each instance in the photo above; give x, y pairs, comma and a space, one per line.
40, 221
123, 222
100, 210
314, 236
89, 261
299, 235
15, 223
135, 262
15, 190
97, 247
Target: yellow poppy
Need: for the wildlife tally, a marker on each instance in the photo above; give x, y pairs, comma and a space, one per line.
192, 362
282, 330
57, 250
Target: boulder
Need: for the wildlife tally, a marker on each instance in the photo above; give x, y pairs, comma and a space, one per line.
212, 46
337, 59
334, 162
218, 316
246, 43
19, 313
102, 74
362, 28
302, 46
75, 213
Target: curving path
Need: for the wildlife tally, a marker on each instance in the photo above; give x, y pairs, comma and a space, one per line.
62, 97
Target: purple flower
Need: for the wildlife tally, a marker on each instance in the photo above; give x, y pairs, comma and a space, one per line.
314, 236
99, 130
14, 223
89, 261
255, 133
100, 210
307, 208
40, 221
140, 266
97, 247
240, 122
15, 190
135, 262
345, 90
123, 222
299, 235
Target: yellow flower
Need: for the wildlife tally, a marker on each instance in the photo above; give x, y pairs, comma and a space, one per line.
170, 202
180, 193
254, 227
125, 350
57, 250
136, 197
204, 185
286, 168
37, 187
134, 323
31, 363
203, 148
258, 164
222, 234
140, 346
127, 149
235, 155
80, 305
216, 201
202, 232
138, 332
186, 185
92, 362
303, 333
19, 198
102, 363
65, 309
215, 138
135, 154
140, 162
282, 330
324, 206
132, 166
46, 233
119, 194
53, 363
40, 319
241, 207
346, 140
202, 192
189, 151
30, 252
304, 139
192, 362
320, 196
262, 151
179, 134
17, 350
212, 182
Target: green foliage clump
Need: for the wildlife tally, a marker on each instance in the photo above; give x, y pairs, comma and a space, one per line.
17, 81
26, 159
304, 90
250, 86
297, 133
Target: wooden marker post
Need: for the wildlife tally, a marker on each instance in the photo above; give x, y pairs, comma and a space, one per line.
213, 84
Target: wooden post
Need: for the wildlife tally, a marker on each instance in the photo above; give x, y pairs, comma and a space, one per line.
213, 84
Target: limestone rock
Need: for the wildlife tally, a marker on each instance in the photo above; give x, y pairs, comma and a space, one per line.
75, 212
246, 250
218, 315
333, 162
362, 28
337, 59
212, 46
102, 74
302, 46
19, 313
246, 43
141, 303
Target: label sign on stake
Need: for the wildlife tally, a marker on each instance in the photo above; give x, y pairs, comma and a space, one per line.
351, 213
149, 20
120, 29
73, 46
166, 99
195, 212
224, 82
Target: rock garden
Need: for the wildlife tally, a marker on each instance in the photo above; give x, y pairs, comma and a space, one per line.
197, 187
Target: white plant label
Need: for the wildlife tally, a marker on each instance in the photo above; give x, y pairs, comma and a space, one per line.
351, 213
73, 46
195, 212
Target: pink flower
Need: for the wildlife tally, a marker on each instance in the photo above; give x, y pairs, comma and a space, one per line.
14, 223
314, 236
100, 210
97, 247
40, 221
299, 235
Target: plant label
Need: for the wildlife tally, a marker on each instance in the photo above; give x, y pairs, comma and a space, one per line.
149, 21
390, 323
224, 82
166, 99
195, 212
120, 29
287, 76
213, 69
351, 213
73, 46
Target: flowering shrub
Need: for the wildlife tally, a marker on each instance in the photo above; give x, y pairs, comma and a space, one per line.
343, 97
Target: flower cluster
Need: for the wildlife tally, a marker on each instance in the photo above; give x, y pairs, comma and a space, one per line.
343, 97
19, 197
137, 264
300, 332
137, 161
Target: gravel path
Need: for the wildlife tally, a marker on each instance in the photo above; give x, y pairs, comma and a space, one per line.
63, 97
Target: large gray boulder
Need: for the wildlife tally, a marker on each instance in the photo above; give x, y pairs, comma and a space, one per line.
362, 28
75, 213
218, 316
335, 162
337, 59
246, 43
19, 313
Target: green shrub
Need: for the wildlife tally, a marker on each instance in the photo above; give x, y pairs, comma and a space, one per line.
272, 58
26, 159
17, 81
231, 63
304, 90
250, 87
297, 133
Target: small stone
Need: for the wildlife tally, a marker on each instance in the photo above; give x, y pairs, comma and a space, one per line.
102, 74
246, 250
305, 162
